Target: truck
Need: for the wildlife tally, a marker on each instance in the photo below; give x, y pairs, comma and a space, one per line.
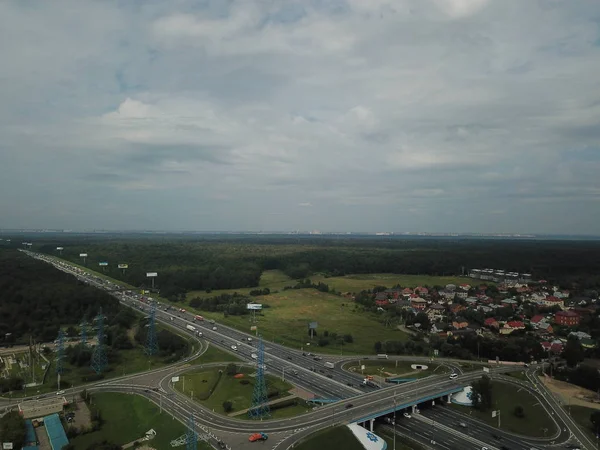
382, 356
190, 327
329, 365
199, 318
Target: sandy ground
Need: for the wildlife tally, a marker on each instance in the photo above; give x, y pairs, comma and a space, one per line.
571, 394
82, 415
42, 437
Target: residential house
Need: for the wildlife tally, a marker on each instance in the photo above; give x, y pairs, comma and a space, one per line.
509, 302
451, 287
510, 326
422, 290
446, 294
545, 327
462, 294
471, 301
557, 347
588, 343
417, 302
465, 287
459, 323
457, 308
579, 335
381, 296
551, 301
567, 318
407, 292
491, 322
382, 303
536, 319
435, 311
485, 309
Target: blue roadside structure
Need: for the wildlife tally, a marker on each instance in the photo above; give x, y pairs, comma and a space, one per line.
56, 432
368, 439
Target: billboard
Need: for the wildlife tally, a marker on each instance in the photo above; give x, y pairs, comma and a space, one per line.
123, 266
151, 274
253, 328
83, 255
59, 248
103, 263
254, 306
312, 325
174, 379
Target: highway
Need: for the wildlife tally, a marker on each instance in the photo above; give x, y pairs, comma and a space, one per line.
358, 404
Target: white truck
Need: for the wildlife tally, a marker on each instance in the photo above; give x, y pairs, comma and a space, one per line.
190, 327
329, 365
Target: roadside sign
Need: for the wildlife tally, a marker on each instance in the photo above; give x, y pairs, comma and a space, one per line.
253, 328
7, 446
436, 352
486, 369
174, 379
362, 367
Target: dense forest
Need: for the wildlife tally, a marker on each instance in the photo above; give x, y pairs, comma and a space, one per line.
36, 299
187, 263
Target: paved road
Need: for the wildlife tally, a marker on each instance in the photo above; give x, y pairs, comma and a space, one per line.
366, 401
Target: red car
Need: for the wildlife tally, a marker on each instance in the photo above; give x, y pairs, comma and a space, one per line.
258, 437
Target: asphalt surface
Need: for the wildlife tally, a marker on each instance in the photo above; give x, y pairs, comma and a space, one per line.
359, 403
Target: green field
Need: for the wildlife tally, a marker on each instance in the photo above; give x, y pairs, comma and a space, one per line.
506, 397
395, 368
339, 437
359, 282
198, 383
289, 312
272, 279
127, 418
214, 354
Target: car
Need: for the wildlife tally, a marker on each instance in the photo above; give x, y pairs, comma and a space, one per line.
407, 415
289, 357
258, 437
254, 355
303, 354
249, 339
349, 405
214, 328
234, 347
60, 392
453, 375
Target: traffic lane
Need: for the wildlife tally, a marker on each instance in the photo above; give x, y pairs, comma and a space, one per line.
426, 434
450, 417
478, 430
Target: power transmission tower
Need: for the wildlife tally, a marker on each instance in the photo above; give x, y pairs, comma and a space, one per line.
83, 333
99, 359
191, 442
60, 355
151, 340
260, 408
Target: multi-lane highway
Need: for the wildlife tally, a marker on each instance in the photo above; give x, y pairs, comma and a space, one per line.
358, 403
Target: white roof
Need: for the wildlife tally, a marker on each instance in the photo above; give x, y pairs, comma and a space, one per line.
368, 439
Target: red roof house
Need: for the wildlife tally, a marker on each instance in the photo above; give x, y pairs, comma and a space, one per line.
537, 318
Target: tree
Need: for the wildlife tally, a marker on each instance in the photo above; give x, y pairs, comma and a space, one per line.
227, 406
519, 411
231, 369
12, 429
348, 338
573, 352
378, 346
595, 419
482, 393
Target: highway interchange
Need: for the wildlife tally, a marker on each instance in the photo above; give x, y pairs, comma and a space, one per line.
435, 427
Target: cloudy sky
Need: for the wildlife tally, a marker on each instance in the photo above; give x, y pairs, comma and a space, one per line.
373, 115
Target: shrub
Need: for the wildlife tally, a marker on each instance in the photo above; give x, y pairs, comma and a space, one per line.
227, 406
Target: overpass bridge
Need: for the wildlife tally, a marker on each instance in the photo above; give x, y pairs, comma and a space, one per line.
411, 402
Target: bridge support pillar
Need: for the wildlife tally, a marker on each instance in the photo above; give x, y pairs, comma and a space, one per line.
371, 422
414, 408
448, 398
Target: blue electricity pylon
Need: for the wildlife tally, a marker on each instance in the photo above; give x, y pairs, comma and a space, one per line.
191, 441
83, 333
60, 352
151, 340
99, 359
260, 407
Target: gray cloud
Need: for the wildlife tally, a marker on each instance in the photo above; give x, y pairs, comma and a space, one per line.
424, 115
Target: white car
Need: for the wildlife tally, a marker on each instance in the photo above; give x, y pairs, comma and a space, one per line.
254, 356
453, 376
407, 415
214, 328
60, 392
234, 347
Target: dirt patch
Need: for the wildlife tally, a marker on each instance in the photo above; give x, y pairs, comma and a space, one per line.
42, 437
83, 417
301, 393
571, 394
